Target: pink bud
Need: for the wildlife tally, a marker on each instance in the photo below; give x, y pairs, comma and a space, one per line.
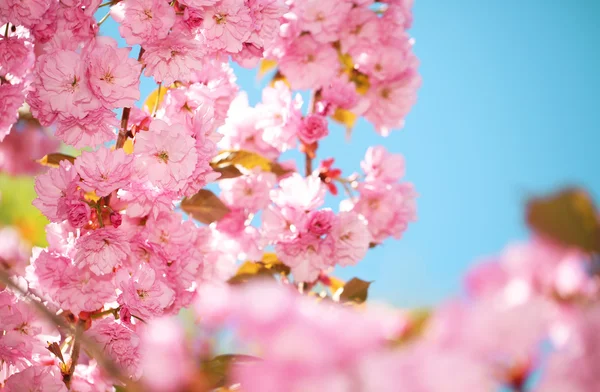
115, 219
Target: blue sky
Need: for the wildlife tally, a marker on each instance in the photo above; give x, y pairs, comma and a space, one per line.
509, 108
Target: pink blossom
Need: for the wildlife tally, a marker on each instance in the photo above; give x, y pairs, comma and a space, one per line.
380, 165
51, 186
21, 148
78, 212
360, 29
266, 16
165, 155
102, 250
299, 192
41, 109
16, 56
113, 76
146, 199
104, 170
143, 21
76, 23
20, 13
63, 84
340, 93
173, 58
250, 191
351, 237
313, 129
388, 208
96, 127
145, 294
12, 99
120, 343
322, 18
227, 25
89, 378
45, 28
307, 256
33, 378
199, 3
320, 222
308, 64
390, 101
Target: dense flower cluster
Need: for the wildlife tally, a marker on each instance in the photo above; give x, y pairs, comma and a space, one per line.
185, 202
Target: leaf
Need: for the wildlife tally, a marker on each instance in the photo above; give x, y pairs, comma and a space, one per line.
361, 81
217, 369
355, 290
54, 159
345, 117
568, 217
228, 161
265, 66
280, 77
150, 102
128, 146
269, 266
54, 348
205, 207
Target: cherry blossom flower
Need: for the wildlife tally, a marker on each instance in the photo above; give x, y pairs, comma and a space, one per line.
33, 378
351, 236
166, 155
299, 192
120, 343
250, 191
226, 25
143, 21
380, 165
16, 56
102, 250
51, 186
113, 76
322, 18
144, 294
96, 127
104, 171
12, 99
26, 14
313, 129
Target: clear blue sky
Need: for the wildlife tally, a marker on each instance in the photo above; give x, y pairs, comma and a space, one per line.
509, 107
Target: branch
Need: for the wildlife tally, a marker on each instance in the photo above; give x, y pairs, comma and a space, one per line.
125, 117
67, 378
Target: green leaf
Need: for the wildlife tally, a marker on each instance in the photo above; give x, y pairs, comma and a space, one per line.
216, 370
205, 207
568, 217
355, 290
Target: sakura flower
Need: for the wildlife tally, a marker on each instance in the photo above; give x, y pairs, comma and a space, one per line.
320, 222
145, 294
146, 199
322, 18
308, 64
360, 29
120, 343
299, 192
143, 21
383, 166
12, 99
51, 186
21, 148
313, 129
62, 83
307, 256
173, 58
76, 23
25, 14
266, 16
165, 155
102, 250
351, 237
89, 378
227, 25
340, 93
16, 56
33, 378
104, 170
199, 3
96, 127
250, 191
78, 212
113, 76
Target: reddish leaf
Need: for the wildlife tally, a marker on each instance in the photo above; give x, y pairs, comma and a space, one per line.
205, 207
54, 159
355, 290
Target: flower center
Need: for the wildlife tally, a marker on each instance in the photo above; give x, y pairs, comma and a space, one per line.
148, 13
163, 156
220, 18
107, 77
385, 93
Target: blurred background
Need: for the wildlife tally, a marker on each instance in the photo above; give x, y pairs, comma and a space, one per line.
509, 108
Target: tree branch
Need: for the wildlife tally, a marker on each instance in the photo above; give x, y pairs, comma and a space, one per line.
125, 117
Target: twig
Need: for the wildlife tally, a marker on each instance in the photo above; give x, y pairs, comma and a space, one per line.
308, 164
104, 18
110, 3
104, 313
6, 31
125, 117
67, 378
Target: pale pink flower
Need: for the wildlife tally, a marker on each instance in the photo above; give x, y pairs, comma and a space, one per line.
78, 212
322, 18
351, 238
146, 199
41, 109
380, 165
227, 25
299, 192
308, 64
390, 101
12, 98
173, 58
313, 128
23, 13
190, 106
250, 191
320, 222
21, 148
120, 343
76, 23
45, 28
51, 186
145, 294
388, 208
143, 21
16, 56
36, 378
166, 155
104, 170
95, 127
199, 3
63, 84
383, 63
266, 15
360, 29
113, 76
340, 93
307, 256
90, 378
102, 250
219, 80
282, 224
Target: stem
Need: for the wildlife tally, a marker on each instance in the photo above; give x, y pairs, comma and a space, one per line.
104, 18
110, 3
104, 313
125, 116
308, 165
6, 30
74, 353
